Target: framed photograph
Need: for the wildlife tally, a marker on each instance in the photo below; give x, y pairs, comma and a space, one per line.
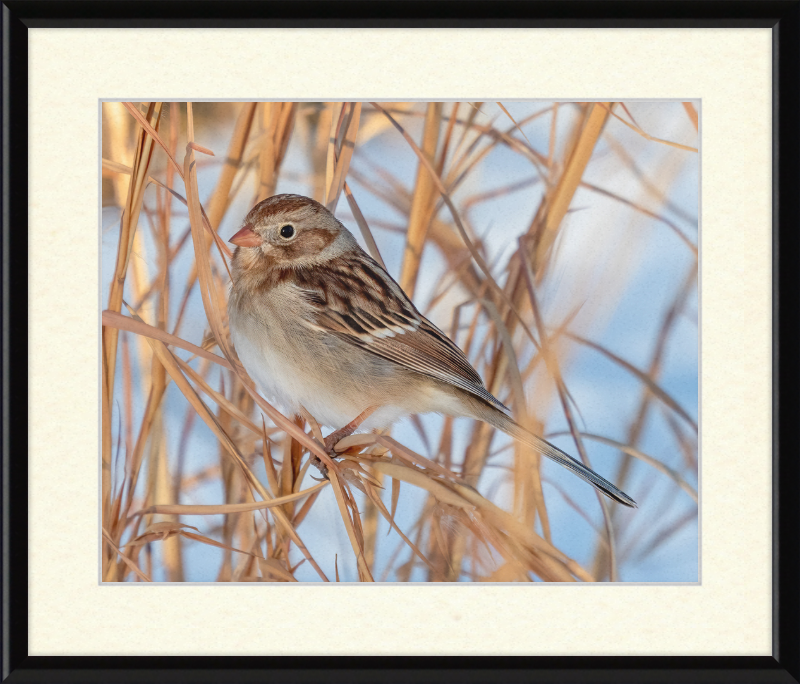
484, 310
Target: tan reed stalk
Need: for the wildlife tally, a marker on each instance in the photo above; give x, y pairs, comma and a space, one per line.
464, 528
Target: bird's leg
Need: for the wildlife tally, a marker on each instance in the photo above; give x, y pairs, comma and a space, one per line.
332, 439
316, 461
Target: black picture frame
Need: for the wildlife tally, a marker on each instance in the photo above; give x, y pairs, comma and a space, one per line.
783, 17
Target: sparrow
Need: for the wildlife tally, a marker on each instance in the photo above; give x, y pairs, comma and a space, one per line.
324, 330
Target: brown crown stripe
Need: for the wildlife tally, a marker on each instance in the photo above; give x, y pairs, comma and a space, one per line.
282, 204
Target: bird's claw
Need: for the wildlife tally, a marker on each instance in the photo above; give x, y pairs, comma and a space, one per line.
318, 463
335, 437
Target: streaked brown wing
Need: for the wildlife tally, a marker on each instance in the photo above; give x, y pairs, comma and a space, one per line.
356, 300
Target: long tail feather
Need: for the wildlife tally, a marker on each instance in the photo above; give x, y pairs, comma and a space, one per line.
510, 427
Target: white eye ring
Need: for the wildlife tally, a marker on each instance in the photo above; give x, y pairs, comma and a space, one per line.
287, 232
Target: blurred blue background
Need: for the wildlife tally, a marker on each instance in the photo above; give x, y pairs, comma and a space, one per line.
618, 270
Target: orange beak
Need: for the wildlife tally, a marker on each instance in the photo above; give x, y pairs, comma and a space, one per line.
246, 238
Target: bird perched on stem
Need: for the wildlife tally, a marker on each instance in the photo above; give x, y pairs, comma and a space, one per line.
323, 329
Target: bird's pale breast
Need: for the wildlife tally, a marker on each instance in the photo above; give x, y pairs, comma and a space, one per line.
296, 365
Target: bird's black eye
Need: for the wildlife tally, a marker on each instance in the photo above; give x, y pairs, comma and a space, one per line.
287, 231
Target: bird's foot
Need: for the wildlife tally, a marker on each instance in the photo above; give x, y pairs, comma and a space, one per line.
317, 462
335, 437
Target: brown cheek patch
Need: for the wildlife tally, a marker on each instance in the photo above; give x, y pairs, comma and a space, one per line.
318, 239
309, 243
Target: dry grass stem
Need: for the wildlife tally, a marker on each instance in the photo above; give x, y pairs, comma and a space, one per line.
508, 224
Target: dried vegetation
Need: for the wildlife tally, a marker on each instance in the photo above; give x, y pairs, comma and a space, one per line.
474, 512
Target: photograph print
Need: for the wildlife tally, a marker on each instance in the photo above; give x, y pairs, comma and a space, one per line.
399, 341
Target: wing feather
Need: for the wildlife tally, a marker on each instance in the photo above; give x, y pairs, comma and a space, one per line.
356, 300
